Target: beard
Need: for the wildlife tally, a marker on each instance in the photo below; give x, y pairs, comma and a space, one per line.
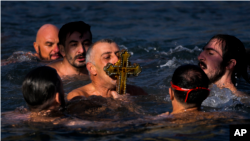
40, 55
216, 75
71, 60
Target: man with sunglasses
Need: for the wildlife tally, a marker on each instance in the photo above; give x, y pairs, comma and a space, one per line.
189, 88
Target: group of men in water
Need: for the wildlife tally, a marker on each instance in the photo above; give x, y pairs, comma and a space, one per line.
222, 60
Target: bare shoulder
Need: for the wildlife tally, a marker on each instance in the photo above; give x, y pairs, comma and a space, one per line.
81, 91
56, 66
135, 90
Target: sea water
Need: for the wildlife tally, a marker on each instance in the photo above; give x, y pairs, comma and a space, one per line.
160, 37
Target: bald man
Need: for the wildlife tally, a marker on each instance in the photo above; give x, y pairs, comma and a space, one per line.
46, 43
45, 46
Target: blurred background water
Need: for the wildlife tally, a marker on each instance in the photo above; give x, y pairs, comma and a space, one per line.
160, 36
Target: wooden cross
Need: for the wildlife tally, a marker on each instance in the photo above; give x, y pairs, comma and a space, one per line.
121, 69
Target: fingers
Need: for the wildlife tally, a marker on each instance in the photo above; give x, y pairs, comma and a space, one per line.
114, 94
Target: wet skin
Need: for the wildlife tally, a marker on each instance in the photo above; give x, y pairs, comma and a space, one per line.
102, 85
76, 48
210, 60
46, 43
74, 55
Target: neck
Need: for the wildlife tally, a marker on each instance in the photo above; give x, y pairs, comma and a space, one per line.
101, 89
226, 82
71, 70
180, 108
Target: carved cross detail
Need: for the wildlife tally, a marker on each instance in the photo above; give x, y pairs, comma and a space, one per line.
121, 69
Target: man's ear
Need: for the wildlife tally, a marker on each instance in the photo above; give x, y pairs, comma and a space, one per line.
57, 98
62, 50
231, 64
91, 68
171, 93
36, 47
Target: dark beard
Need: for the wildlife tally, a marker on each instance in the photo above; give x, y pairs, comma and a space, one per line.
218, 75
40, 55
69, 58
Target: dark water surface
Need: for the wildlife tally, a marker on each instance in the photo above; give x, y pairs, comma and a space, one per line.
160, 35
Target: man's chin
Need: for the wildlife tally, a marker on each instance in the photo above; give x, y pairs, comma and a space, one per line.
216, 76
113, 82
80, 65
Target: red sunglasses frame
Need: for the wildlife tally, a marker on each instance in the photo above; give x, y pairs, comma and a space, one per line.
188, 90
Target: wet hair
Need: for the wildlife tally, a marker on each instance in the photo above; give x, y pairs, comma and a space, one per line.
233, 48
189, 77
89, 53
40, 87
71, 27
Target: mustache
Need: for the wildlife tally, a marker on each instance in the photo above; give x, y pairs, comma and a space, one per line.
202, 63
79, 55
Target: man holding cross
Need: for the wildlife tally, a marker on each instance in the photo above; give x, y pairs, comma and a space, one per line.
98, 56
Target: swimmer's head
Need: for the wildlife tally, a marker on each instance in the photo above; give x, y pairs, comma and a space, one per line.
98, 56
231, 57
189, 77
46, 43
74, 41
42, 89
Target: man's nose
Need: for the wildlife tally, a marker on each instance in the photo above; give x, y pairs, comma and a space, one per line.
56, 49
81, 49
115, 59
201, 56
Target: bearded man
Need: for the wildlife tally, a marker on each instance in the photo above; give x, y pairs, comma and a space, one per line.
223, 59
74, 41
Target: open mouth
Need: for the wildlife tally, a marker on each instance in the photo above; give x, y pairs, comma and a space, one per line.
54, 56
202, 65
80, 58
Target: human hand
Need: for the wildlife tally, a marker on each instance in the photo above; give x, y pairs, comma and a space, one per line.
115, 95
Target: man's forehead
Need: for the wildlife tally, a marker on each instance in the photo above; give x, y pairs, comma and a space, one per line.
215, 44
104, 47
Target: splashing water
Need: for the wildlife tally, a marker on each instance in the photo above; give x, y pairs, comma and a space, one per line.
220, 98
179, 49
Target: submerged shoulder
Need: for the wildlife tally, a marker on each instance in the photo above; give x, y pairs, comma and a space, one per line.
78, 92
135, 90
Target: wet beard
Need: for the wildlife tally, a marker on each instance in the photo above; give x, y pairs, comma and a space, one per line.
71, 61
217, 76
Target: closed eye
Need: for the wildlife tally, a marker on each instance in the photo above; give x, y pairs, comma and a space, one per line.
50, 44
108, 57
73, 44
